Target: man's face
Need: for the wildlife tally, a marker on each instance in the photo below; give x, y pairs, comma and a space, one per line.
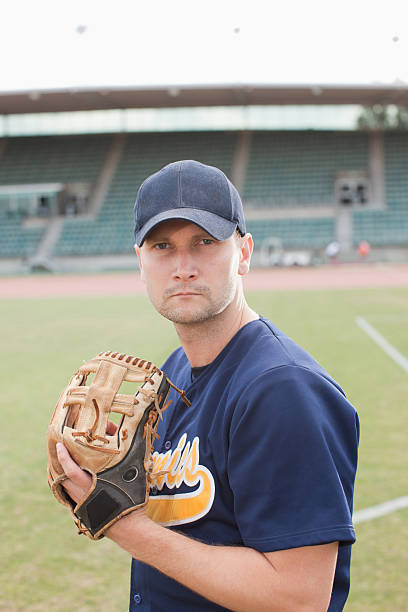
190, 277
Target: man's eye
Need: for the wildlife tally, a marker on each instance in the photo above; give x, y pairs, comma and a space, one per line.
161, 246
207, 241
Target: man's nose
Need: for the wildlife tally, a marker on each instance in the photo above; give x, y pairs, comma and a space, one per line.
185, 268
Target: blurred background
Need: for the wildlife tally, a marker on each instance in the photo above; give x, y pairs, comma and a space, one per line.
304, 105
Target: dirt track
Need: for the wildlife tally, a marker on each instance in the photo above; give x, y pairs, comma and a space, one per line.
342, 276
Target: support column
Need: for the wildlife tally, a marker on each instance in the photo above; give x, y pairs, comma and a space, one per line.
240, 161
344, 227
3, 143
376, 167
106, 174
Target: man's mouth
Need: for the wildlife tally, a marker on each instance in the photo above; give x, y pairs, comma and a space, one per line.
186, 292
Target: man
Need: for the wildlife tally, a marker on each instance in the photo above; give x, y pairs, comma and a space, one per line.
254, 512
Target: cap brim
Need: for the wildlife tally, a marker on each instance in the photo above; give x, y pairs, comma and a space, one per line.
218, 227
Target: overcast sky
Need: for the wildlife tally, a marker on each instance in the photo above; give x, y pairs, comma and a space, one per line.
79, 43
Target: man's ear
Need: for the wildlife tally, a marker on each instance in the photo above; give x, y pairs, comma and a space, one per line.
139, 259
246, 248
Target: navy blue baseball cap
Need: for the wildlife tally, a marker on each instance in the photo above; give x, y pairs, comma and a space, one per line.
192, 191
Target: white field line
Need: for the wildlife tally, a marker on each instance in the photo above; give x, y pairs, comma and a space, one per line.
390, 350
375, 511
368, 514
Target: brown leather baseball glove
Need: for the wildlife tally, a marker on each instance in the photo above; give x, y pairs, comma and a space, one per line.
121, 463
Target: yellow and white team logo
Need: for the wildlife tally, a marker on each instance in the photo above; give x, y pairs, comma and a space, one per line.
183, 467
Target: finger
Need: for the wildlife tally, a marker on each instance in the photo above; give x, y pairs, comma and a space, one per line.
79, 482
111, 428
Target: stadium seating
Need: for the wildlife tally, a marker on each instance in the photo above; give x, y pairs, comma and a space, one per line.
299, 168
36, 160
16, 241
396, 171
388, 227
50, 159
381, 227
294, 233
285, 170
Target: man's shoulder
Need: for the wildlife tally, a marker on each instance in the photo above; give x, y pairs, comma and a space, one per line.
263, 352
264, 344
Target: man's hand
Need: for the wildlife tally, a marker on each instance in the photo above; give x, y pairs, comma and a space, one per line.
79, 482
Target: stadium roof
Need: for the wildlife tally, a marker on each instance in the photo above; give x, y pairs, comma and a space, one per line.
67, 100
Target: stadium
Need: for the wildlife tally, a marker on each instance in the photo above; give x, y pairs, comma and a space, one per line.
309, 174
317, 166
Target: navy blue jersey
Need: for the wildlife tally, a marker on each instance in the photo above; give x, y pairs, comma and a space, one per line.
265, 457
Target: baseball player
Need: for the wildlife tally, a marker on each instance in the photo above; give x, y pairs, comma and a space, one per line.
253, 507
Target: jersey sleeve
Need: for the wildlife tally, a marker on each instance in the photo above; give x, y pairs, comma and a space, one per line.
292, 460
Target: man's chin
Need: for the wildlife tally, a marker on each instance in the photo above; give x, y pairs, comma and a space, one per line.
182, 318
185, 316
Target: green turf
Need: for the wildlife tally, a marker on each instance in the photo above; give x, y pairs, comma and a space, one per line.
44, 341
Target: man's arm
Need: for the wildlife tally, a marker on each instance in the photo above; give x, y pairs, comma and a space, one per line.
238, 578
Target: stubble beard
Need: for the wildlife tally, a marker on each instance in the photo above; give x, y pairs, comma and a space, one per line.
205, 309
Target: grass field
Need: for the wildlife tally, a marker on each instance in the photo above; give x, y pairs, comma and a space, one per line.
44, 341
